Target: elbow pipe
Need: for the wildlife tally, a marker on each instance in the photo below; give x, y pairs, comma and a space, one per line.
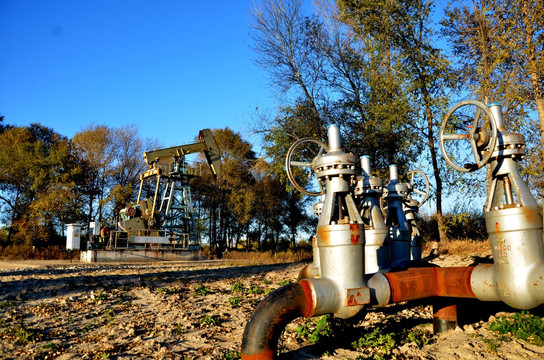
261, 334
317, 296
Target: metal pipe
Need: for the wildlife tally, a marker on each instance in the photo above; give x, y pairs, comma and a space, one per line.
365, 165
261, 334
419, 283
393, 172
334, 138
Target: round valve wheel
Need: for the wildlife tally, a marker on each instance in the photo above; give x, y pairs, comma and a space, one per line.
305, 156
131, 211
415, 181
479, 131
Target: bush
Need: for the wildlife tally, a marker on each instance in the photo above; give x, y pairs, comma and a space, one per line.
27, 252
457, 225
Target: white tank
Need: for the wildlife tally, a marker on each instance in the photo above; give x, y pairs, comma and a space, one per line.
73, 234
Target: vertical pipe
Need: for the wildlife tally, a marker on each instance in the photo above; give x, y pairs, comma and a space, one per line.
444, 315
393, 172
334, 138
365, 165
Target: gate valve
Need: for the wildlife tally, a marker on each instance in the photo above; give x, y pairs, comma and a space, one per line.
368, 192
512, 216
480, 132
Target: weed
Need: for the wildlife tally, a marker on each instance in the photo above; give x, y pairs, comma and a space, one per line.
238, 287
285, 282
86, 328
522, 326
178, 330
268, 291
266, 281
208, 321
7, 303
23, 335
201, 290
231, 355
254, 289
105, 356
418, 337
381, 343
234, 301
52, 346
492, 344
323, 329
101, 296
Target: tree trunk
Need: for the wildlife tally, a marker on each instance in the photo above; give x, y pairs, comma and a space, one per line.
437, 178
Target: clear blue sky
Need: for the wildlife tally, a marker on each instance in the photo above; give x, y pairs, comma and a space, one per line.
172, 67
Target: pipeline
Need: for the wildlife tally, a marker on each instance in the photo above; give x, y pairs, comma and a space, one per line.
349, 272
264, 328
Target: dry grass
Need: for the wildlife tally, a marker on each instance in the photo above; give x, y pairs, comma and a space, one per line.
269, 257
26, 252
462, 247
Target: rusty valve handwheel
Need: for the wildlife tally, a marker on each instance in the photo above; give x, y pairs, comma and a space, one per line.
410, 175
303, 164
476, 136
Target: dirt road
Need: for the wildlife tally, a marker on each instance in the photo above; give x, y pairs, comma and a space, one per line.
190, 310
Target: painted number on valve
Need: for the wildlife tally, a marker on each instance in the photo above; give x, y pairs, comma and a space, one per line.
502, 250
357, 296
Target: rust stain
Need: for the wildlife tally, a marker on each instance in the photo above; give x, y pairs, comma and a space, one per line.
355, 239
355, 235
263, 355
323, 235
448, 313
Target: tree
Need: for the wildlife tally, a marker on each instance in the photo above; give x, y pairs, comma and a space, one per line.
281, 41
403, 30
335, 79
500, 50
95, 146
38, 176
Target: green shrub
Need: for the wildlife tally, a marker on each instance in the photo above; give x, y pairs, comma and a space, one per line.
522, 326
323, 329
201, 290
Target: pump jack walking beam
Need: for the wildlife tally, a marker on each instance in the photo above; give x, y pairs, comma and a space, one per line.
207, 145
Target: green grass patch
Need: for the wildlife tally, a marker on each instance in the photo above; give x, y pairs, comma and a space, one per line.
202, 290
208, 321
523, 326
380, 343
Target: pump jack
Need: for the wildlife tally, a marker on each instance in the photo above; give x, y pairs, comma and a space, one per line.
170, 215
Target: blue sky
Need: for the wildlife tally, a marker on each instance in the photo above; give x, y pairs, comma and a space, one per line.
171, 67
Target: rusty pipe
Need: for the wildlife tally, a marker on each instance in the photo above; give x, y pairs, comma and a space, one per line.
419, 283
261, 334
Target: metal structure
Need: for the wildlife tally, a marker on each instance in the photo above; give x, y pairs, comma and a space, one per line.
362, 259
168, 216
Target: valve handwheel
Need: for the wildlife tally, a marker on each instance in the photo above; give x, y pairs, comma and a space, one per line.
303, 164
479, 138
411, 175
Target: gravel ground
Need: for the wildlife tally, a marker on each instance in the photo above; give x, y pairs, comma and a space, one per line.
198, 310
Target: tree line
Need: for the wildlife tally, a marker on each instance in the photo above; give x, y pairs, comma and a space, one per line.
386, 71
48, 180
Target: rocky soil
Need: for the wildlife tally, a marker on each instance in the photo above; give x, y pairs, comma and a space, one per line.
198, 310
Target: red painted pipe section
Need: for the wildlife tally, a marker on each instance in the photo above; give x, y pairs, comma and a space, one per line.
419, 283
260, 339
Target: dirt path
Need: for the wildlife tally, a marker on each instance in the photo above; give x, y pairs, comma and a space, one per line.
186, 310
